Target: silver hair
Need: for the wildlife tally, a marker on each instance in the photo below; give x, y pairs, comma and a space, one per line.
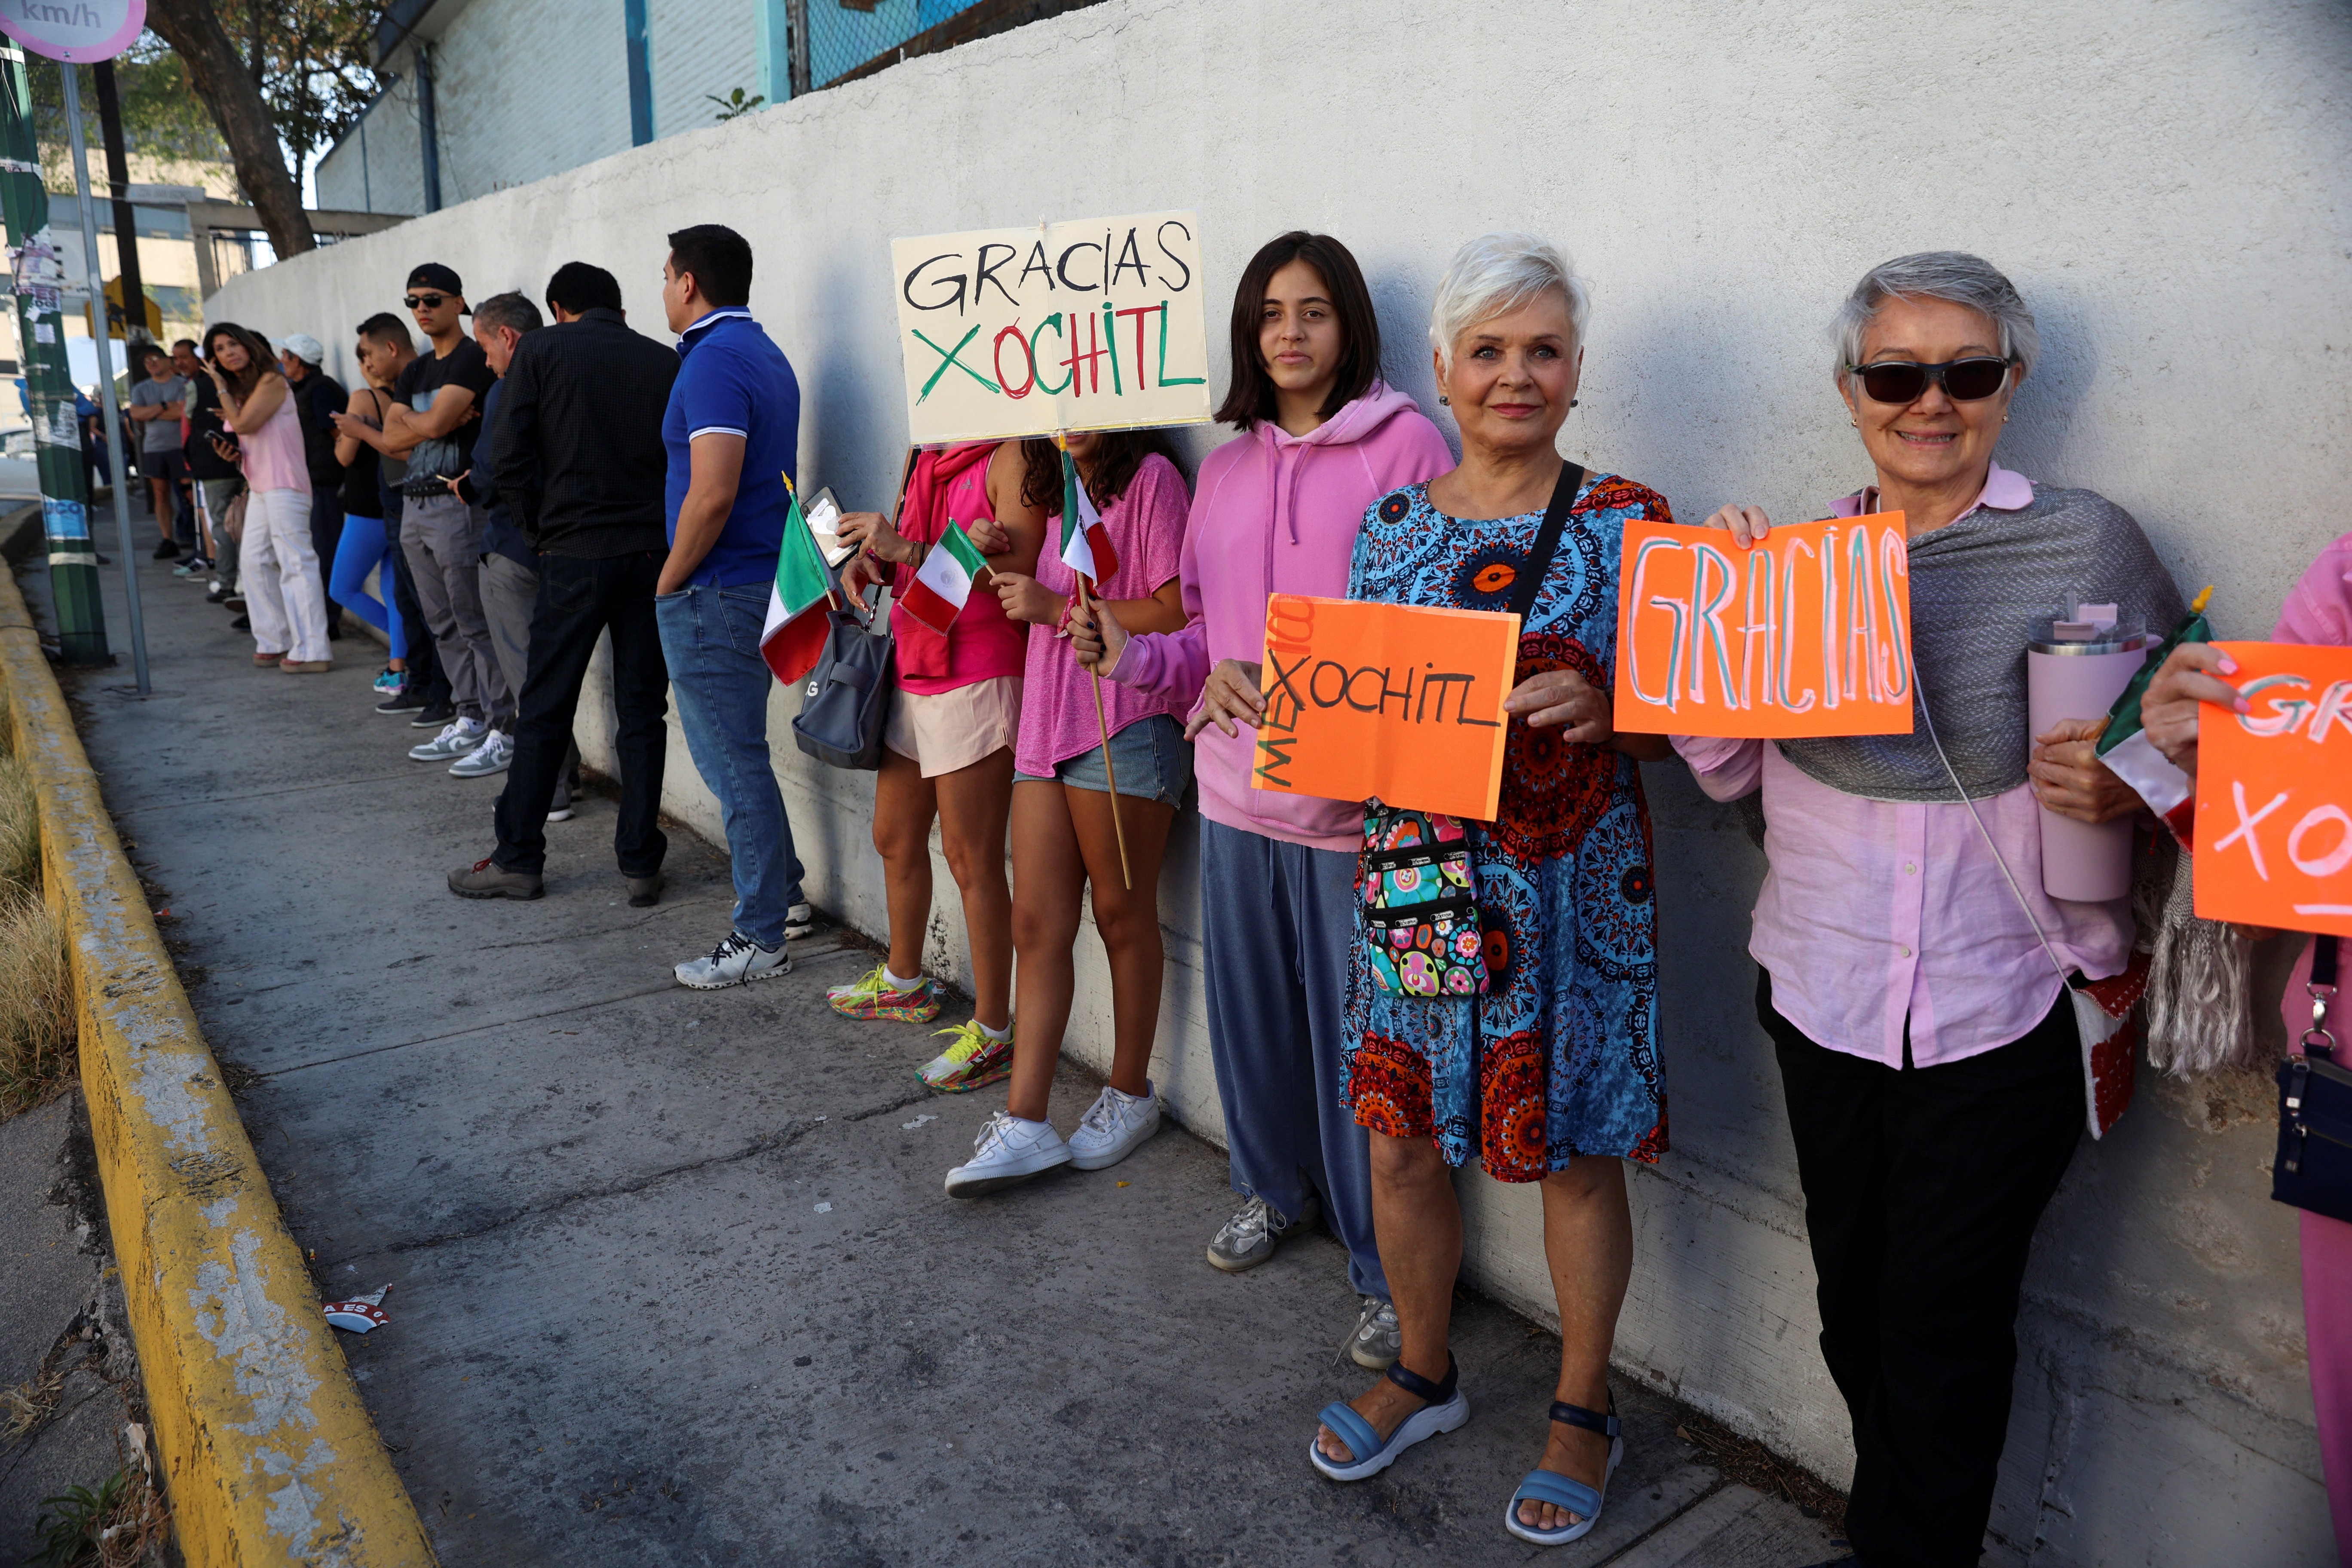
1952, 275
1493, 275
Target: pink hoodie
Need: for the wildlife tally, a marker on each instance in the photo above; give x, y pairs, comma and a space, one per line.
1272, 513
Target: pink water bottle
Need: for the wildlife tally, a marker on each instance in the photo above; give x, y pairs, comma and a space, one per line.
2076, 669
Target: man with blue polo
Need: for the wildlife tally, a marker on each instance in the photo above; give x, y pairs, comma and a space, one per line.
733, 433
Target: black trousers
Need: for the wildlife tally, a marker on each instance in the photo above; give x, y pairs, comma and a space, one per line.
579, 600
1923, 1187
326, 534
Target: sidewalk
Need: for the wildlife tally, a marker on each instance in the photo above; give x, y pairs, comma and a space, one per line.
673, 1280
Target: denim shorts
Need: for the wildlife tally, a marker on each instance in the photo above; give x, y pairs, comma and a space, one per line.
1153, 759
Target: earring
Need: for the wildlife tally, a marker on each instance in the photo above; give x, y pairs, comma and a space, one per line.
1571, 403
1445, 401
2004, 418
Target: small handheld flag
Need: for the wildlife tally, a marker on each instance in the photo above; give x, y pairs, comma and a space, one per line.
1087, 549
944, 580
2127, 752
793, 637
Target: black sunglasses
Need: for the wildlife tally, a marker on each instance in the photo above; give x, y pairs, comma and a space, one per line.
1899, 380
425, 301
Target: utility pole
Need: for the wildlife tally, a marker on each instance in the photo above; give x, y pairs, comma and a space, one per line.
71, 77
39, 282
126, 221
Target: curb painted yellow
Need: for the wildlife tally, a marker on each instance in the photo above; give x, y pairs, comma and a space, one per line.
269, 1456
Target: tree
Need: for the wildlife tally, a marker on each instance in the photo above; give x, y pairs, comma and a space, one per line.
280, 78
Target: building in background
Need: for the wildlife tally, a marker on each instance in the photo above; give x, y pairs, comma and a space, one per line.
485, 94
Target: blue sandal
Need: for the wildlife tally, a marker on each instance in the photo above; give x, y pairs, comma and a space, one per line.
1444, 1409
1565, 1491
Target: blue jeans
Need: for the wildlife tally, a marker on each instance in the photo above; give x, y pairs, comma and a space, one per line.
711, 639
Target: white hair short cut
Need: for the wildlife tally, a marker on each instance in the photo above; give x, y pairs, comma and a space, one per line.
1493, 275
1952, 275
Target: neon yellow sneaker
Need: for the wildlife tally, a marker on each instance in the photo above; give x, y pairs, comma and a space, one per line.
973, 1061
870, 996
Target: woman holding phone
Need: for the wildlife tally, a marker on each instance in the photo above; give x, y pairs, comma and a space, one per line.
285, 596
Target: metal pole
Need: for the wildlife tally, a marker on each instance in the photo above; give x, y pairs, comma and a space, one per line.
126, 219
69, 74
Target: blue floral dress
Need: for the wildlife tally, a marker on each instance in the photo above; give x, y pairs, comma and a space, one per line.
1561, 1057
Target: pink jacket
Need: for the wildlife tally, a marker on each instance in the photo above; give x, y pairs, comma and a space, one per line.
1272, 513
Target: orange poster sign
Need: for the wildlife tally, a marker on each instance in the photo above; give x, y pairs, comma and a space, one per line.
2275, 792
1808, 633
1394, 700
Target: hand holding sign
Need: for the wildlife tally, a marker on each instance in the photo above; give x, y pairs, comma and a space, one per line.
1806, 631
2275, 792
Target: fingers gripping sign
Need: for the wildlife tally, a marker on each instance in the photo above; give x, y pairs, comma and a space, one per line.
2274, 826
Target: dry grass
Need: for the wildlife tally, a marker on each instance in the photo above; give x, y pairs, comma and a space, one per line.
1750, 1463
38, 1027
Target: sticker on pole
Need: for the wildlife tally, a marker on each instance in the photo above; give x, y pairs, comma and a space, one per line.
78, 30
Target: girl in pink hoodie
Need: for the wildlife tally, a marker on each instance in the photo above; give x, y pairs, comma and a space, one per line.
1276, 510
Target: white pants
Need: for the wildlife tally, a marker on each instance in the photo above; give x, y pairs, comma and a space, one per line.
283, 594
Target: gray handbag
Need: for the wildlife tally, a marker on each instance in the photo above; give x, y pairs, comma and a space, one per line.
847, 700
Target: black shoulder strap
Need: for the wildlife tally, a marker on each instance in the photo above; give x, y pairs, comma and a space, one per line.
2324, 953
1530, 581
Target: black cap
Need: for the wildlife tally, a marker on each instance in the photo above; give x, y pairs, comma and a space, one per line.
433, 275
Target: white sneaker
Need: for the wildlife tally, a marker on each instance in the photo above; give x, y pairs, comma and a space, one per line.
457, 738
738, 960
798, 920
492, 756
1008, 1151
1114, 1127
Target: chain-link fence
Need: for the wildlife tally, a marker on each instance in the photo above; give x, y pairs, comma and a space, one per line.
852, 38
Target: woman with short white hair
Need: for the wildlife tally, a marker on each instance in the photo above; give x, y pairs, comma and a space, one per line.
1914, 978
1539, 1057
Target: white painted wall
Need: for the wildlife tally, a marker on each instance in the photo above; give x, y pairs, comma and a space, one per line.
2166, 182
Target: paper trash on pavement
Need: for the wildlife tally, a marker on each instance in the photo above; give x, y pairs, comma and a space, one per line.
359, 1313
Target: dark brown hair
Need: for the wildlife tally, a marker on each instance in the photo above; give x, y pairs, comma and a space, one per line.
1119, 454
1251, 397
260, 360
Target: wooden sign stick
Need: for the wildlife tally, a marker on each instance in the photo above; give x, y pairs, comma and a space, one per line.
1110, 773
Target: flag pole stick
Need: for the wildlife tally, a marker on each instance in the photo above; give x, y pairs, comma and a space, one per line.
1110, 772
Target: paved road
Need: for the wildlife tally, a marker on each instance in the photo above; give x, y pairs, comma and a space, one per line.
673, 1280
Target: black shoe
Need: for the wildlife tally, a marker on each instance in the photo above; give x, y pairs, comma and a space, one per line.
217, 596
334, 631
407, 699
644, 893
167, 550
242, 624
433, 718
236, 600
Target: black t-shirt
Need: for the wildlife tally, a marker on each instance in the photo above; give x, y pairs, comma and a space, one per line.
204, 421
360, 493
422, 382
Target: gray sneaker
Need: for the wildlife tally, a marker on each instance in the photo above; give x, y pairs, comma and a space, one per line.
492, 756
738, 960
1250, 1237
1376, 1340
457, 738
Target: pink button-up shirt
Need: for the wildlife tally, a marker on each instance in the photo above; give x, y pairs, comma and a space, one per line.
1875, 914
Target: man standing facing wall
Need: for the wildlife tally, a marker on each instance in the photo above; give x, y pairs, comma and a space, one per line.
732, 431
580, 460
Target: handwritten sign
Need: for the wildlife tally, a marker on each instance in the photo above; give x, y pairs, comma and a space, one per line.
1394, 700
1807, 634
2275, 792
1091, 325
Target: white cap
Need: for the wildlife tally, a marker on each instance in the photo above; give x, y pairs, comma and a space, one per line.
302, 346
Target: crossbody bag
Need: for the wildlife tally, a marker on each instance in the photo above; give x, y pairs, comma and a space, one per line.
1422, 935
2314, 1168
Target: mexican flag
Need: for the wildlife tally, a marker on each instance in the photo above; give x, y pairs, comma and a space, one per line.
1086, 543
2132, 757
944, 580
794, 636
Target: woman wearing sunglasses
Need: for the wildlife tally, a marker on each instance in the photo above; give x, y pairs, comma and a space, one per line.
1928, 1048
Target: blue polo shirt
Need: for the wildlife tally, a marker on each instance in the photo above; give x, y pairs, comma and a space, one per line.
732, 378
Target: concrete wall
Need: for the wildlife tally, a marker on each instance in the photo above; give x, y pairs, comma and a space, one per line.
2166, 183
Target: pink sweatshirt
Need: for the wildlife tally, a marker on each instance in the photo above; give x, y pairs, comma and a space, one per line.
1273, 513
